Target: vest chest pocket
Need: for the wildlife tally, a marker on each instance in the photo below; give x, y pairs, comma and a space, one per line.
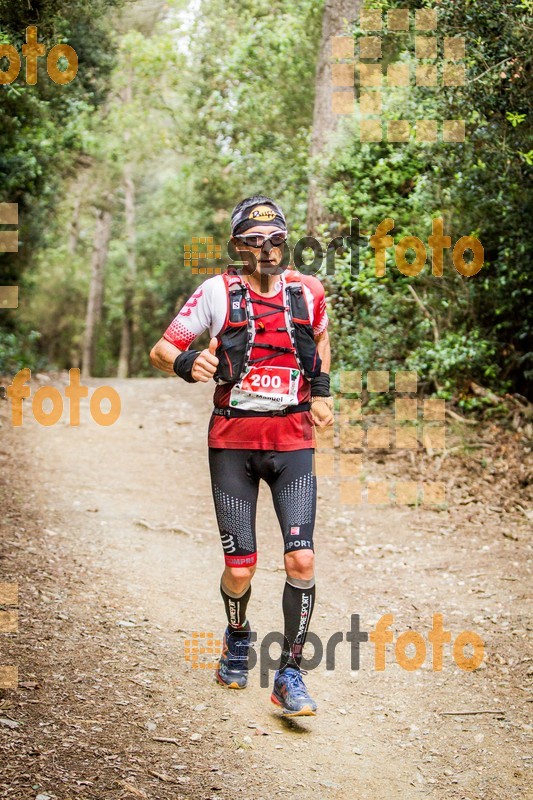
237, 307
299, 309
231, 351
304, 338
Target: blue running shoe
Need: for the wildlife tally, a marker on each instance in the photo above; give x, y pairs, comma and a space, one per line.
232, 669
291, 694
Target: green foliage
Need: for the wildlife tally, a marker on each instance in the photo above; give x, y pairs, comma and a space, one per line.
453, 361
460, 328
41, 124
250, 88
212, 101
17, 350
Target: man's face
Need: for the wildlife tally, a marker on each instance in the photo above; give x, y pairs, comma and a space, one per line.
265, 258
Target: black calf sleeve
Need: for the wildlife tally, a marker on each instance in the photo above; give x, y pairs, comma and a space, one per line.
298, 604
236, 606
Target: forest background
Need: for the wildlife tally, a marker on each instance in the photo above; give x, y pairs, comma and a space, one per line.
179, 109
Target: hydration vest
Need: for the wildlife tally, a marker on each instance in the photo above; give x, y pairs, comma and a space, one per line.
237, 337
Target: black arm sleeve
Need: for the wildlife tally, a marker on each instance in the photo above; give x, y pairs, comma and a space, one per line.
183, 365
320, 385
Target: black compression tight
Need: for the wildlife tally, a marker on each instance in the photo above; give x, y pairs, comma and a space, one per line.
235, 477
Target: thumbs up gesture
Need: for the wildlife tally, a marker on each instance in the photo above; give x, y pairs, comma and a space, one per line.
205, 365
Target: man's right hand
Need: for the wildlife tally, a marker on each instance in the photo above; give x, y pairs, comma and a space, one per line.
205, 365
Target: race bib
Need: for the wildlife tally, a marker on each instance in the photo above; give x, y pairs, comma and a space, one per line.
266, 389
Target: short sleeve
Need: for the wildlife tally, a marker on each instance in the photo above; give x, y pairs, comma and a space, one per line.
192, 320
320, 319
320, 314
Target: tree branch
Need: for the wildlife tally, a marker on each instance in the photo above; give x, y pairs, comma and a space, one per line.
433, 321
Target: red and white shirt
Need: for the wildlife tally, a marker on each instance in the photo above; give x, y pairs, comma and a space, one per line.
206, 310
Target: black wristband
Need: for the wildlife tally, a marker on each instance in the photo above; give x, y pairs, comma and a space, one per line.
183, 365
320, 385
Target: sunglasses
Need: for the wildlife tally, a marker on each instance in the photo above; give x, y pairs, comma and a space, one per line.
259, 239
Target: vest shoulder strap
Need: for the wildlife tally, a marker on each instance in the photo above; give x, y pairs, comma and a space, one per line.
231, 281
292, 278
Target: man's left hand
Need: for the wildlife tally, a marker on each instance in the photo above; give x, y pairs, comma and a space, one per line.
322, 411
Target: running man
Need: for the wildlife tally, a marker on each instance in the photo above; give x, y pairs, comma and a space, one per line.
269, 355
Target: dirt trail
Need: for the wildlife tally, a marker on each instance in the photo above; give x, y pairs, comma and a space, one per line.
107, 604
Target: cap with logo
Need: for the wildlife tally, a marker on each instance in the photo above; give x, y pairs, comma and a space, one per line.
257, 210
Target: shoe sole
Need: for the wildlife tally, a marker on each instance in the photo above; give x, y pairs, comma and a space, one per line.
232, 685
306, 711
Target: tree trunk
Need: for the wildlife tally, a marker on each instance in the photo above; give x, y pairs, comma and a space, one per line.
96, 289
74, 225
124, 361
126, 340
79, 190
336, 14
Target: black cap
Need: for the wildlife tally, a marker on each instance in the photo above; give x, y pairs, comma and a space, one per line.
256, 210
